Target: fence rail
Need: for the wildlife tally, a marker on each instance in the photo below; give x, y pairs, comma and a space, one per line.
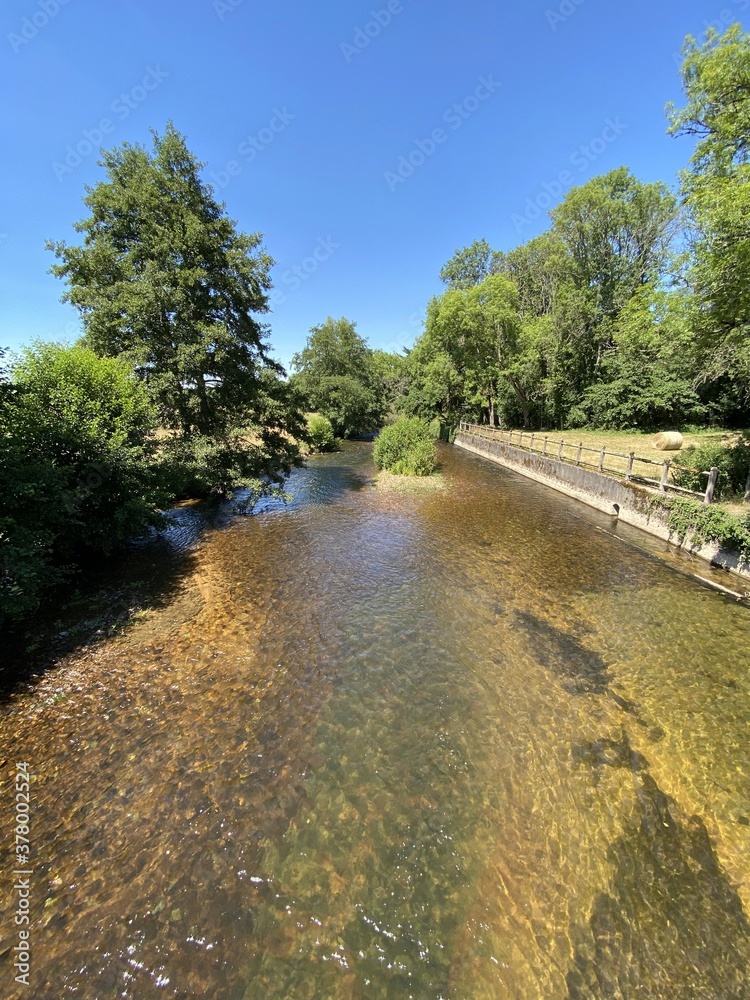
625, 466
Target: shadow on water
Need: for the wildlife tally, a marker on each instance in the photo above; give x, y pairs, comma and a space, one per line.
110, 596
105, 602
670, 925
580, 670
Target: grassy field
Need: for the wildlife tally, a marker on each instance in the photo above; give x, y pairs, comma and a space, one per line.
619, 444
642, 444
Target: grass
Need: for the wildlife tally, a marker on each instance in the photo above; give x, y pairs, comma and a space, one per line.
619, 444
641, 443
387, 482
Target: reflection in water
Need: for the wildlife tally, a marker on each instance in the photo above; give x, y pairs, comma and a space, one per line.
454, 745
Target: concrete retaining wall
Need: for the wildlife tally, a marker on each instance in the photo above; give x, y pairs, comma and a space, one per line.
629, 502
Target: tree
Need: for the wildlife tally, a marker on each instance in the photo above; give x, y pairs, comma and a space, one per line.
469, 266
391, 379
716, 193
336, 376
334, 348
164, 279
617, 231
647, 380
75, 454
469, 350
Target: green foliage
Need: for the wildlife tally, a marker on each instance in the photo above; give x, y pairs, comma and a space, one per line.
646, 378
391, 380
436, 428
334, 348
733, 464
336, 376
320, 431
406, 448
716, 194
617, 231
469, 266
348, 403
75, 455
708, 523
164, 280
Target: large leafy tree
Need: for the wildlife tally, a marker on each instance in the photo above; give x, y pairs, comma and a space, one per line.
617, 231
164, 278
336, 375
470, 350
716, 193
470, 265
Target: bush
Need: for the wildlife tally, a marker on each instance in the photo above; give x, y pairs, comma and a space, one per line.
75, 461
406, 448
320, 430
708, 524
733, 465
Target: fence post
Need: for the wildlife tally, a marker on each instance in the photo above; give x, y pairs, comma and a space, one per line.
520, 439
532, 442
712, 477
629, 470
747, 491
544, 449
578, 456
510, 437
560, 451
601, 460
665, 476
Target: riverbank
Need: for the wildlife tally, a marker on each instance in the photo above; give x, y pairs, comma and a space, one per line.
626, 501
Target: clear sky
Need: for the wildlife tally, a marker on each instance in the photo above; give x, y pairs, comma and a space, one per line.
366, 139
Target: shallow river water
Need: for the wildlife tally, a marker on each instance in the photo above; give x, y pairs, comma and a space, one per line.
458, 744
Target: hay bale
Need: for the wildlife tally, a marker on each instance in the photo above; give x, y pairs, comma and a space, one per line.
668, 441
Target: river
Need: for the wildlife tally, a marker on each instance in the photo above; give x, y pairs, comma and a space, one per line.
460, 744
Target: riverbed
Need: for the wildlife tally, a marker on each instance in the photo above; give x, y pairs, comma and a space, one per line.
472, 743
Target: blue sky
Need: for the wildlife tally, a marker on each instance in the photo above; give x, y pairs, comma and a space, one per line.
366, 140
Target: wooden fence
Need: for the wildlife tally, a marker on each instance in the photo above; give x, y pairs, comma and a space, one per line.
610, 463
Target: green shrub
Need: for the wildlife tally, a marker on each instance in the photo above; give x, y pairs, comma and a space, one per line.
406, 448
75, 458
733, 465
708, 524
320, 430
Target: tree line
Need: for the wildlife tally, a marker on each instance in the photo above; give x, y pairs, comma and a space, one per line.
631, 311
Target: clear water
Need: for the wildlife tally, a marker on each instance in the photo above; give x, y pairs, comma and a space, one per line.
457, 745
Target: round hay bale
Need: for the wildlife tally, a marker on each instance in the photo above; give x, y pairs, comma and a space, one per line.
668, 441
